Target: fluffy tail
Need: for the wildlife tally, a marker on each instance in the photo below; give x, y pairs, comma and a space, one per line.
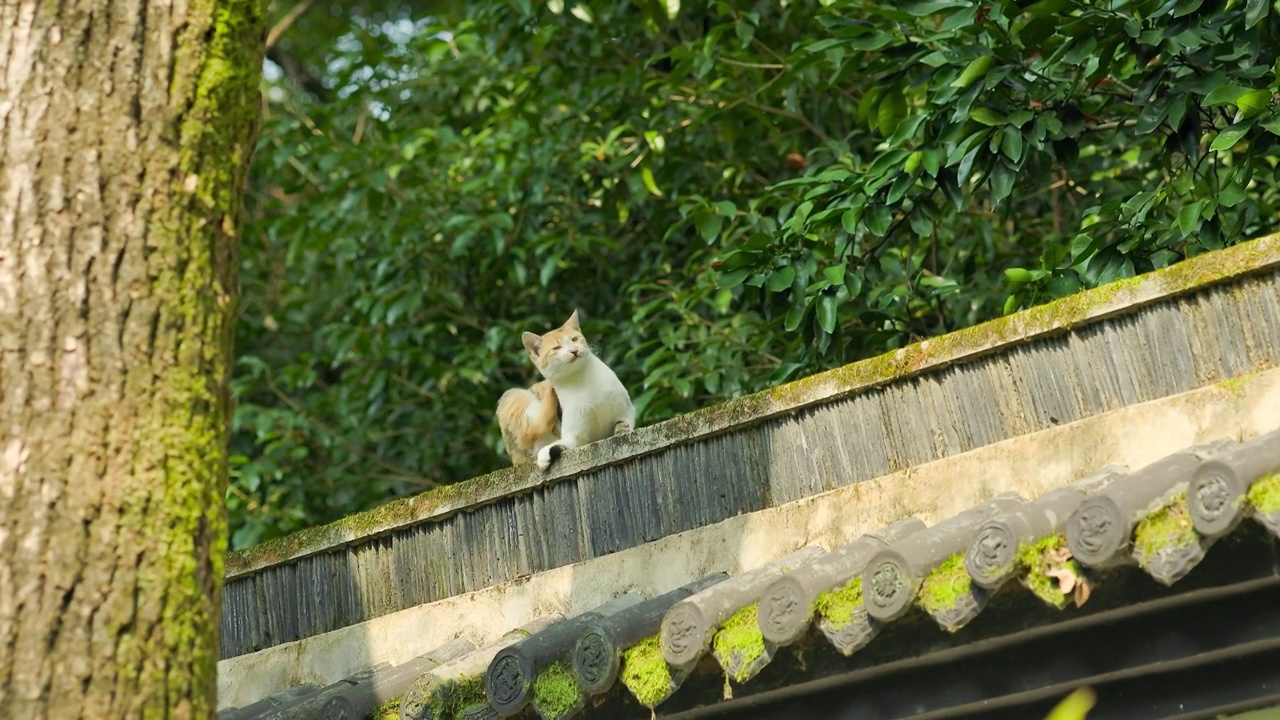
525, 416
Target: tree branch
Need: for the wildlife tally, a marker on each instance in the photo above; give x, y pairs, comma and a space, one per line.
297, 72
287, 21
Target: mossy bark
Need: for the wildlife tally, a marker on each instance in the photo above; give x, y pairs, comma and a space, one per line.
126, 130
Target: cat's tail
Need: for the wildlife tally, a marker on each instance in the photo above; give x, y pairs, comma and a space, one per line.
515, 400
527, 417
513, 411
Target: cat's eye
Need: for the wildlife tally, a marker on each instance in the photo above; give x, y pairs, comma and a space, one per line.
557, 347
575, 338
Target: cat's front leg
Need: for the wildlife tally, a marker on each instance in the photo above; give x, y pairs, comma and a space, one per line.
627, 422
548, 454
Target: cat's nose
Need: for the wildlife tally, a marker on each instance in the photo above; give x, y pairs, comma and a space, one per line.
575, 352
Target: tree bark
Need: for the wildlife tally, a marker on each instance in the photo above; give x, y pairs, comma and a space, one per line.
126, 127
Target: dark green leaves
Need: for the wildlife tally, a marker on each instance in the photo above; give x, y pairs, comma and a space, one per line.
974, 71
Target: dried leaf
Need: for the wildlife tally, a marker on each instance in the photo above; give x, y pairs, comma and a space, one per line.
1058, 555
1082, 591
1065, 577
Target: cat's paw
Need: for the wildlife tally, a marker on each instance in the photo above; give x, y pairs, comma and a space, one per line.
548, 455
622, 426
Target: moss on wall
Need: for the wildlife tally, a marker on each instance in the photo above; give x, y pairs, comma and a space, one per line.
1264, 494
946, 585
645, 672
739, 643
1036, 560
556, 692
838, 606
1168, 527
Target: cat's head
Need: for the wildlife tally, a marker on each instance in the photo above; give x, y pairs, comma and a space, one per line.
558, 353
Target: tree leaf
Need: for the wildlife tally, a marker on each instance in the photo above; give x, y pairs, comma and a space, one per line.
781, 279
849, 220
709, 225
987, 116
893, 108
732, 278
874, 41
1017, 276
920, 8
1075, 706
1224, 95
1228, 138
877, 219
1189, 217
1255, 11
1002, 177
974, 71
1186, 7
1152, 114
1254, 102
959, 19
827, 304
900, 186
795, 314
1047, 7
1011, 144
646, 173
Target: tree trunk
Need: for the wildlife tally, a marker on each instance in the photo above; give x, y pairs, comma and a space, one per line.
126, 127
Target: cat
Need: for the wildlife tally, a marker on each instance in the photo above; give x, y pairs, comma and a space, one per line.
593, 403
529, 419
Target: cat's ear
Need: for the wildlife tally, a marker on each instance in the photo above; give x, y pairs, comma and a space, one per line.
572, 322
532, 342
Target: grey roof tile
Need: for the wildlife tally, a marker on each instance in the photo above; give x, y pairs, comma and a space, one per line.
788, 605
628, 653
597, 653
928, 567
511, 676
992, 557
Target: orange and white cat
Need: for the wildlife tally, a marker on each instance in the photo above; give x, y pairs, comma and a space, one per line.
593, 403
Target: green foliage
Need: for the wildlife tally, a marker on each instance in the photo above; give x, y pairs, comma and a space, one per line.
734, 194
1096, 140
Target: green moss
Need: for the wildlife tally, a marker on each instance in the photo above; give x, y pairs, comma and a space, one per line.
946, 585
1168, 527
1264, 495
645, 673
838, 605
556, 692
389, 710
739, 641
452, 698
1235, 385
193, 181
1034, 560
